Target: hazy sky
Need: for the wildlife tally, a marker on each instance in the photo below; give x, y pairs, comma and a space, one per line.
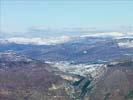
19, 16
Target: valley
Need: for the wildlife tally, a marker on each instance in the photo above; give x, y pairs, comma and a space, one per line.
89, 68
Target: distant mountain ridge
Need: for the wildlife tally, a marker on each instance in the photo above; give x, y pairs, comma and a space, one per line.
77, 49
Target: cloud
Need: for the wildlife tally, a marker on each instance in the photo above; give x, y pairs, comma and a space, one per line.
44, 32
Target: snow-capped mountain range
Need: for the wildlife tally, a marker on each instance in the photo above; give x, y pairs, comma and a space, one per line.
36, 41
123, 39
66, 38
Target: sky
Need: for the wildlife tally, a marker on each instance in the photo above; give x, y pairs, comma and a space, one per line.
19, 16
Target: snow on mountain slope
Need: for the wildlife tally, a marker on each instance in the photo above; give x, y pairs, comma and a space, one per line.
105, 34
37, 41
95, 70
66, 38
126, 44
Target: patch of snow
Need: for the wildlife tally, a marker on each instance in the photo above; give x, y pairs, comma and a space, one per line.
80, 69
128, 44
85, 52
